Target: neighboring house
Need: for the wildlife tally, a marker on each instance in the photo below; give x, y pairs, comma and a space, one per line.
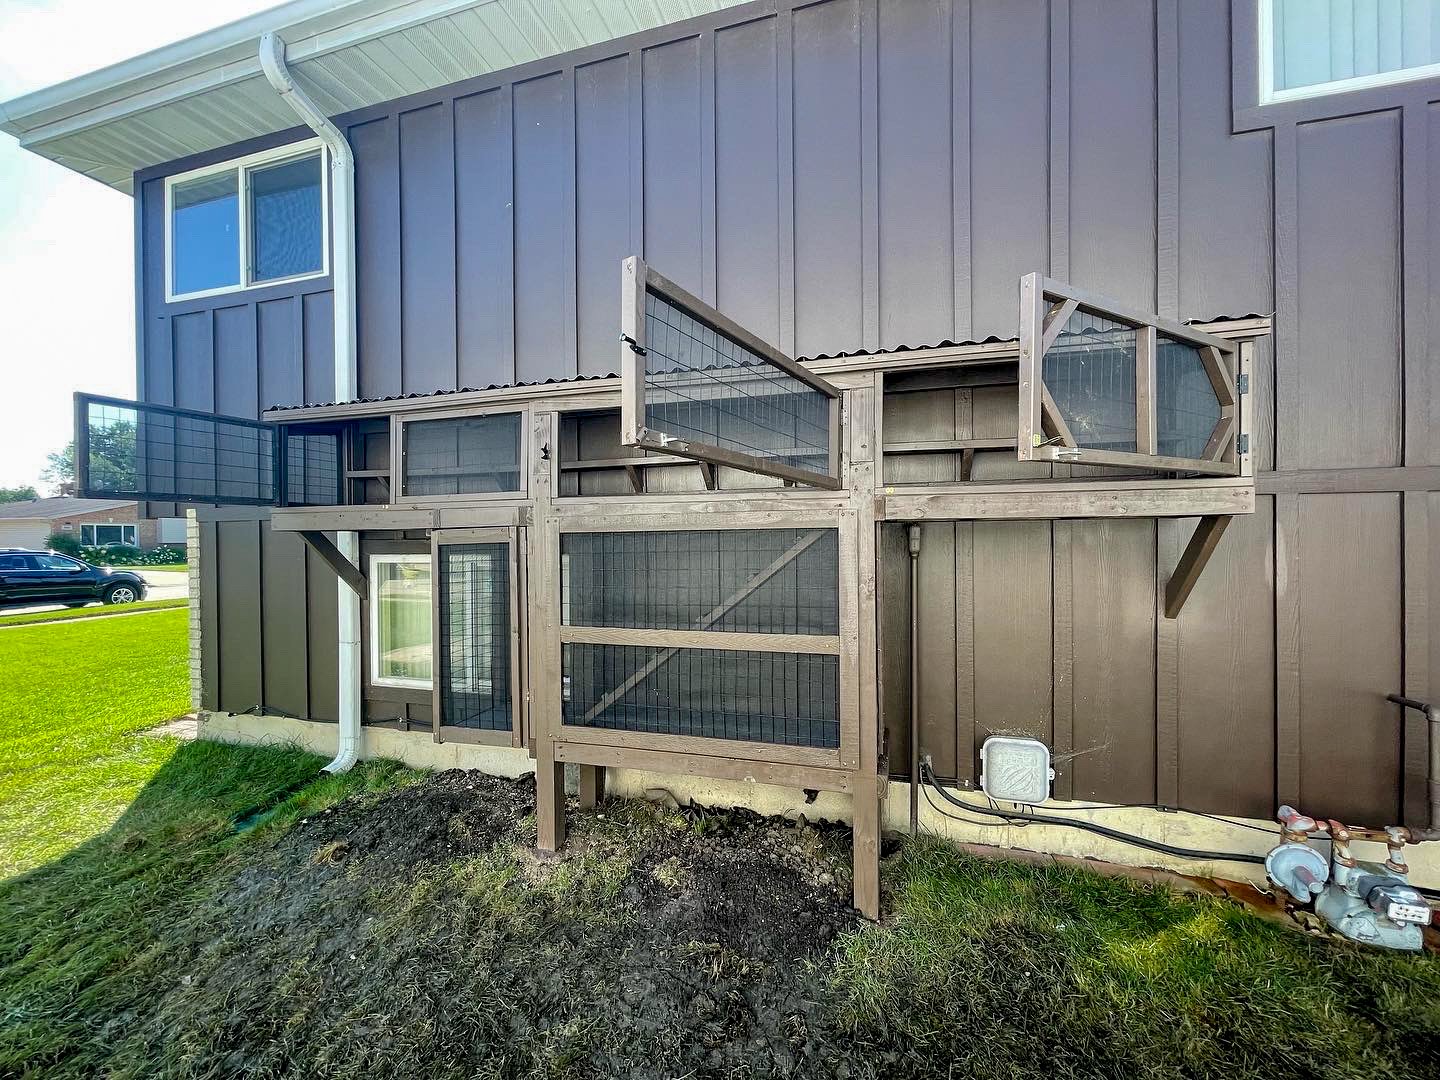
91, 521
505, 566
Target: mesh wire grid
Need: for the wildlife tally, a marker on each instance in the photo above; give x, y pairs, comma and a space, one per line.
1090, 372
787, 699
312, 469
149, 452
679, 580
703, 387
1186, 408
475, 690
462, 455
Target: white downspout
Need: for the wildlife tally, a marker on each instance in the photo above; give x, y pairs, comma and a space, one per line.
342, 201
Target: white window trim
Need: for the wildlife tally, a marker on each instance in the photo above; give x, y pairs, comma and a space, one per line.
411, 559
1265, 66
243, 167
130, 531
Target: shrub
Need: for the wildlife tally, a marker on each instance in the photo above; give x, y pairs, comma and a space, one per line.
126, 555
65, 543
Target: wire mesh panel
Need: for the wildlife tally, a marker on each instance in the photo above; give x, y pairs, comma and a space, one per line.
697, 384
703, 387
1104, 385
1090, 372
762, 581
708, 582
462, 455
475, 617
1186, 408
312, 468
132, 451
788, 699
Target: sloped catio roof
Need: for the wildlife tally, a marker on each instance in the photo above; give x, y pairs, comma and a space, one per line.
208, 91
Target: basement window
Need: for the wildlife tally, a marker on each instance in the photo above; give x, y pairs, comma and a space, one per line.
257, 220
401, 621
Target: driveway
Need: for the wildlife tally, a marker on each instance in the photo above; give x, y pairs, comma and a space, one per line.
159, 585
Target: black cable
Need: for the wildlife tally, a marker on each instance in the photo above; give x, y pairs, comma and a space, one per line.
1090, 826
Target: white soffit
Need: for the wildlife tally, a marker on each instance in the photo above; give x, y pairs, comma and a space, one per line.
208, 91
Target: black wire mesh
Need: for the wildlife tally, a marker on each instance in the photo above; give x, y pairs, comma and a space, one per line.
761, 581
475, 690
788, 699
1090, 372
1186, 408
312, 469
462, 455
703, 387
150, 452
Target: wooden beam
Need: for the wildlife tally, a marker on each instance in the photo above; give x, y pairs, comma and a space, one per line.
1052, 421
710, 475
344, 569
704, 622
1055, 322
1203, 542
815, 644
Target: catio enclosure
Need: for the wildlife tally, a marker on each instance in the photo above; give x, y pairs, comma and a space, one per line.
535, 577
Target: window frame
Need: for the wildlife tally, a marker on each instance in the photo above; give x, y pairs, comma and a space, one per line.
398, 496
1043, 304
413, 558
243, 167
1265, 69
125, 529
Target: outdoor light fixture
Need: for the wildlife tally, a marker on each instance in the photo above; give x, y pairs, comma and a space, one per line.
1015, 770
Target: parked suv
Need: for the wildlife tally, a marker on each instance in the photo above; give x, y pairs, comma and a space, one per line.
45, 577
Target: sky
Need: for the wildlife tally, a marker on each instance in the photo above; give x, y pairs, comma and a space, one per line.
67, 297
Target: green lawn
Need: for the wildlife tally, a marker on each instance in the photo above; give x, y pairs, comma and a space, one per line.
25, 618
179, 566
204, 910
72, 700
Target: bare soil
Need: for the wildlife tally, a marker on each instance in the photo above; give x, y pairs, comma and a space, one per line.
418, 934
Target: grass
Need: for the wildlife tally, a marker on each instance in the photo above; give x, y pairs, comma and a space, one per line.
134, 895
25, 618
178, 567
1074, 974
73, 699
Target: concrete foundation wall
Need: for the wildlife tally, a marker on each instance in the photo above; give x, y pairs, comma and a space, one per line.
419, 750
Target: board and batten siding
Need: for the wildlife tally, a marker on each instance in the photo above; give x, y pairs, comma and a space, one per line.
858, 174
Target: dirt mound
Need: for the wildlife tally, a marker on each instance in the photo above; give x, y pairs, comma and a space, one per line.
417, 933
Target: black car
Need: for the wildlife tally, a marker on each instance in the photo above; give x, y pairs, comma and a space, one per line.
45, 577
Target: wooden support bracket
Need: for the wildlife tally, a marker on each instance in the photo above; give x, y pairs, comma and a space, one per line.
344, 569
1203, 542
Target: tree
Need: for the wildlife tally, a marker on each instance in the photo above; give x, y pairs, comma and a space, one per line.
112, 461
17, 494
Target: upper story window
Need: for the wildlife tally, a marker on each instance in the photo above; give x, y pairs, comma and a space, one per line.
1309, 47
258, 220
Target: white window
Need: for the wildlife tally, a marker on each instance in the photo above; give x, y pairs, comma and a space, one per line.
258, 220
401, 650
1310, 47
99, 535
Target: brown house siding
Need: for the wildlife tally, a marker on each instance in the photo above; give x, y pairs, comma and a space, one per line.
864, 174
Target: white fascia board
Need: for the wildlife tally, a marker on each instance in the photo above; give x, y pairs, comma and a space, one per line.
213, 59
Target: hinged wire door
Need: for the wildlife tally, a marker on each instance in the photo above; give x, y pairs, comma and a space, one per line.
729, 634
1103, 385
698, 385
476, 638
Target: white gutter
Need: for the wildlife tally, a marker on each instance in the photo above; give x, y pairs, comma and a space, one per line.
342, 201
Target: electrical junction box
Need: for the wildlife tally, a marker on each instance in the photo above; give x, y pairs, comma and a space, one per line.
1015, 770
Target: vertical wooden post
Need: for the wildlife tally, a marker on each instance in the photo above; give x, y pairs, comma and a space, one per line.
543, 538
592, 786
863, 413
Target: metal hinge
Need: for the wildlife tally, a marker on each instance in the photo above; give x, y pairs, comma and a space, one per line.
1242, 444
1243, 384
